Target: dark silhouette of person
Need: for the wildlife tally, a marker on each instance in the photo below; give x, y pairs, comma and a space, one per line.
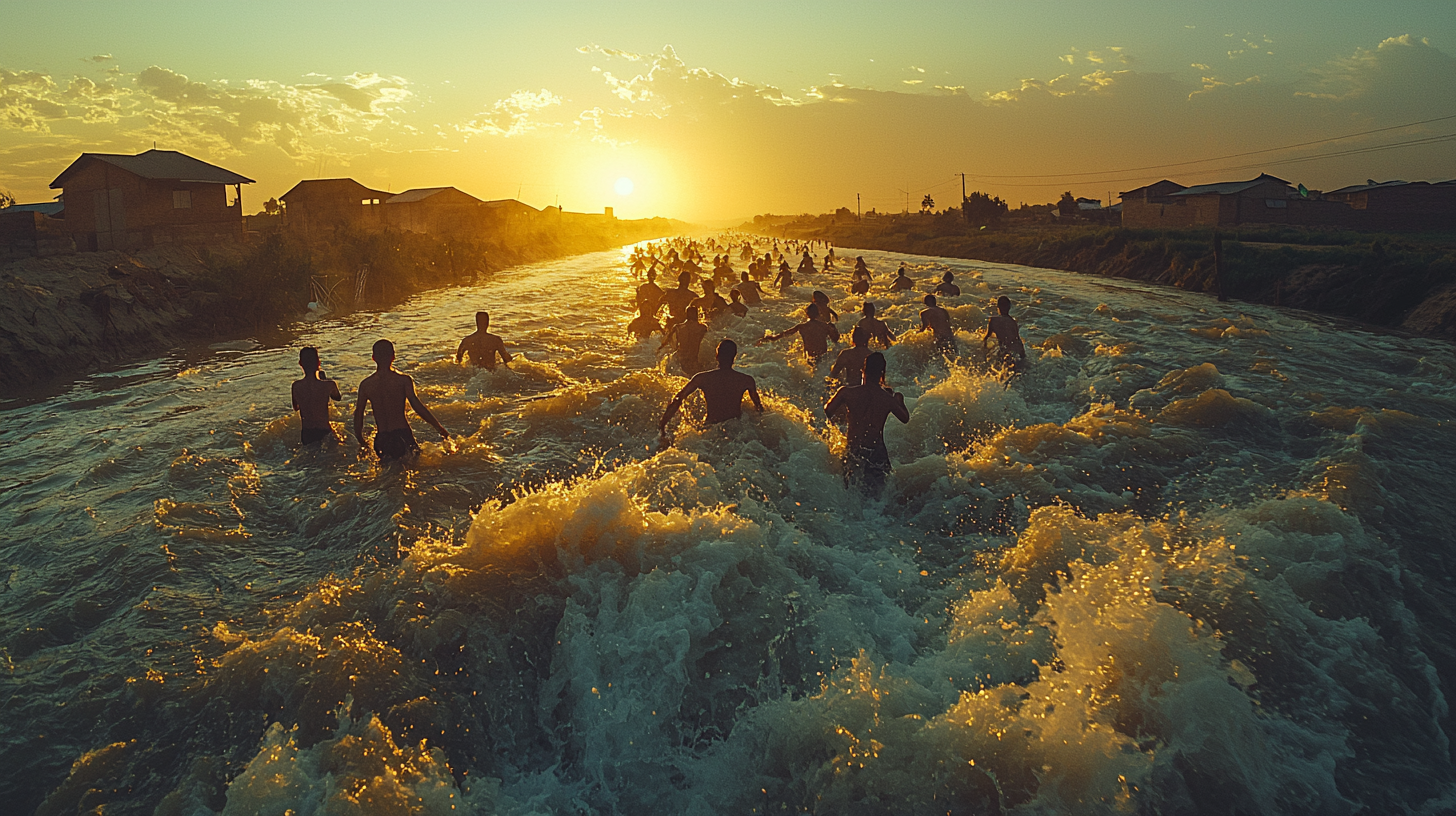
722, 388
645, 324
311, 397
678, 298
869, 404
785, 277
1008, 336
848, 367
875, 326
902, 281
650, 292
814, 333
711, 304
737, 306
826, 314
687, 338
386, 391
937, 321
750, 290
482, 346
947, 287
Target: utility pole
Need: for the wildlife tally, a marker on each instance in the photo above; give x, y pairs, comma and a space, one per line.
965, 213
856, 207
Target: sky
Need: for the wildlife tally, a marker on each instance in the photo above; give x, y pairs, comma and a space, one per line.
717, 112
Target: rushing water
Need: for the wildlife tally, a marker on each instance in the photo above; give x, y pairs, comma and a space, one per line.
1197, 559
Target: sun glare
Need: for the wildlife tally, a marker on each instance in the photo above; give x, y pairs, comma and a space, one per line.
624, 186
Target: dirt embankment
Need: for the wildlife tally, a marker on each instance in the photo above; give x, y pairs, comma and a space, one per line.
1384, 280
64, 314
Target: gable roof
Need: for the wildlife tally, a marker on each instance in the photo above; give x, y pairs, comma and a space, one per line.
333, 188
1229, 187
1371, 184
1146, 187
44, 208
423, 193
157, 164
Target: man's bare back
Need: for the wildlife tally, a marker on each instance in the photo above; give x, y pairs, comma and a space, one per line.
869, 405
722, 388
938, 321
311, 397
483, 348
386, 391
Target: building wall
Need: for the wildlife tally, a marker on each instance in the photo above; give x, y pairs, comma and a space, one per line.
110, 208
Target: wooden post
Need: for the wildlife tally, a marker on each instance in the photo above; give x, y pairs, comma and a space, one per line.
1218, 266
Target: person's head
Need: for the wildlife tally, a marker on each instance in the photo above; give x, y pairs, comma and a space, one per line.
652, 273
859, 336
684, 279
874, 369
743, 276
900, 273
482, 320
693, 313
727, 350
868, 309
1003, 304
708, 286
947, 277
308, 358
736, 295
930, 300
812, 310
383, 352
820, 298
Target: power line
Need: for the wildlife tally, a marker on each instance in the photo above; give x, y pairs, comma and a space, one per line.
1220, 158
1426, 140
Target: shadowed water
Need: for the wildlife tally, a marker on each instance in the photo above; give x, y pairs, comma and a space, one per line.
1195, 560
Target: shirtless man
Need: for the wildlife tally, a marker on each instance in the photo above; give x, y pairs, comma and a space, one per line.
311, 397
937, 321
645, 324
387, 390
866, 461
947, 287
650, 292
902, 281
711, 304
737, 306
751, 291
848, 367
875, 327
785, 278
677, 299
687, 338
814, 333
1008, 336
722, 389
826, 314
482, 346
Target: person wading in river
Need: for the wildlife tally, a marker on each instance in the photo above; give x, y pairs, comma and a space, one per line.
815, 334
687, 338
482, 346
937, 321
387, 390
849, 365
722, 388
1008, 336
311, 397
866, 460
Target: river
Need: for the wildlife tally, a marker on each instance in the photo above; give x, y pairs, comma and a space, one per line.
1195, 559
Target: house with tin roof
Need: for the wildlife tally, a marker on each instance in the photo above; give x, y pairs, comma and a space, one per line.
116, 201
322, 206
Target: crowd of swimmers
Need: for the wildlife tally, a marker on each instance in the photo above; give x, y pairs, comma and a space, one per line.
694, 301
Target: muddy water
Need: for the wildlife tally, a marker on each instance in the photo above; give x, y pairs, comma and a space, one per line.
1196, 559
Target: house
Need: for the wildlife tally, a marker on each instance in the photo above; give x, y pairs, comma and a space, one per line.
1400, 205
1147, 206
115, 201
435, 210
33, 229
321, 206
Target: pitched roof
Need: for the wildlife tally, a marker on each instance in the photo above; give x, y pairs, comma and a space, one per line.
158, 164
1370, 184
329, 188
1136, 190
423, 193
44, 208
497, 203
1228, 187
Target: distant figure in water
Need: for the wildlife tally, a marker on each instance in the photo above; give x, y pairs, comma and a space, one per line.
722, 389
1008, 336
677, 299
826, 314
387, 390
785, 277
751, 291
947, 287
737, 306
645, 324
687, 338
875, 327
848, 367
902, 281
937, 321
311, 397
649, 292
866, 461
711, 304
814, 332
482, 346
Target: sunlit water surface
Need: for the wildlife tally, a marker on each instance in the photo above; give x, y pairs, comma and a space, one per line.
1195, 560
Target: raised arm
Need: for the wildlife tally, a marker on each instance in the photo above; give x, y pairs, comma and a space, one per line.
677, 402
897, 407
420, 408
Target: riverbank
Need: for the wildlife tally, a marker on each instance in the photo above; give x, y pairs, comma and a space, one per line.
1400, 282
65, 314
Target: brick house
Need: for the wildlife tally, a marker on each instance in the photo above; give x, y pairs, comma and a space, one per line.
318, 206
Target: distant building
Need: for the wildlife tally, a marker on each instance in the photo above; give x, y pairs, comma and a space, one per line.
436, 211
116, 201
321, 206
33, 229
1400, 205
1088, 204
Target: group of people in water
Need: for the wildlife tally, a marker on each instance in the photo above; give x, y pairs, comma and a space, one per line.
860, 370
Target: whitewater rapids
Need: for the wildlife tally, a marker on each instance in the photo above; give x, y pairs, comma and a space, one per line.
1193, 561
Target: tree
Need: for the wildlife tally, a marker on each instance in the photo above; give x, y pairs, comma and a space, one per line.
982, 210
270, 207
1067, 205
927, 204
7, 199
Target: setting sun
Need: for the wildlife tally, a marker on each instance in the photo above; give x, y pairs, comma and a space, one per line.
624, 186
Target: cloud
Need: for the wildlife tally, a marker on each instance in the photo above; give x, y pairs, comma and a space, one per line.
514, 115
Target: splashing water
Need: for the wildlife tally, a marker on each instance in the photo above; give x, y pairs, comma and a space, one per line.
1193, 560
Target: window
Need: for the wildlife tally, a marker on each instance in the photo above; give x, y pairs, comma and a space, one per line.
1276, 204
181, 199
369, 201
